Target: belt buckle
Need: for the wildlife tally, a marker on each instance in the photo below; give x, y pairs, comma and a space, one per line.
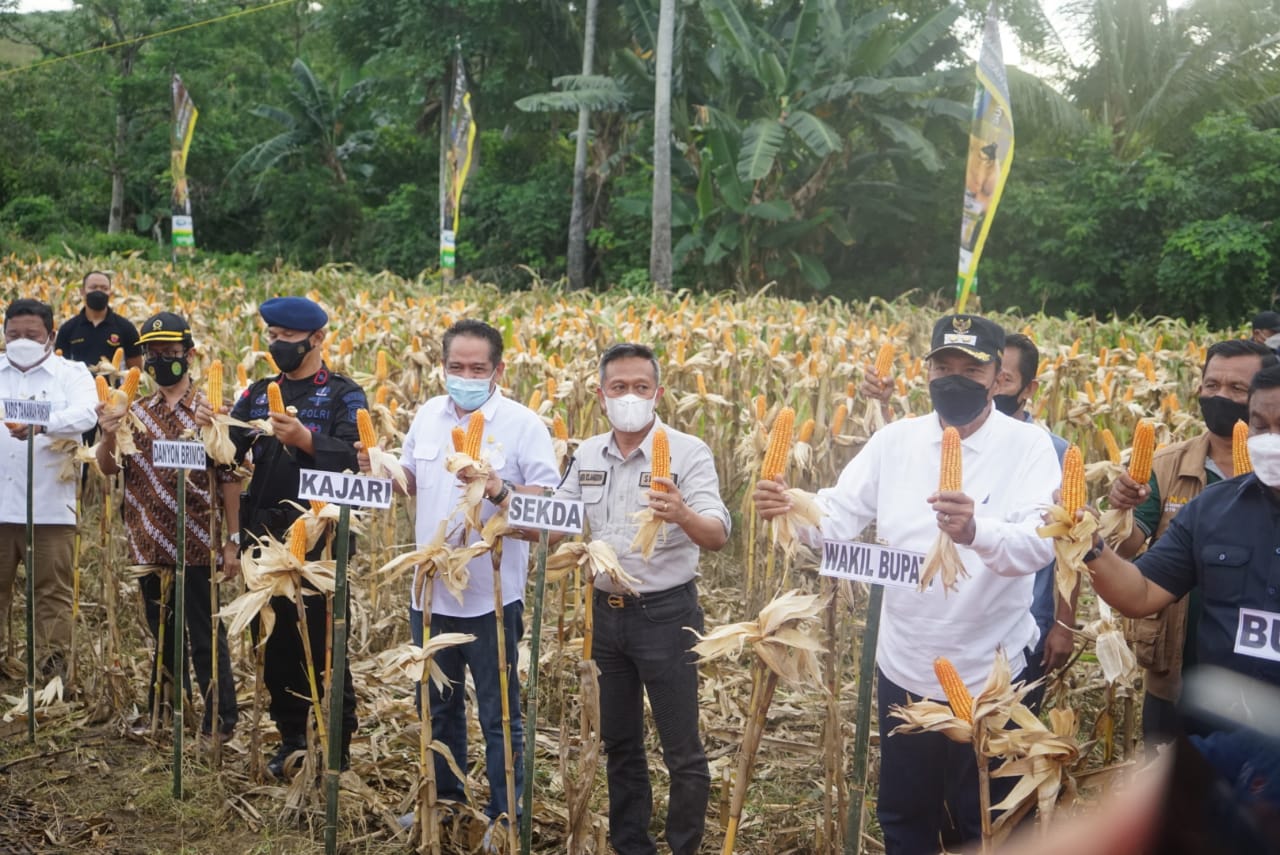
616, 601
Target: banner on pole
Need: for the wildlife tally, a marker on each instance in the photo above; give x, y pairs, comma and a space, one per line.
990, 156
182, 129
462, 138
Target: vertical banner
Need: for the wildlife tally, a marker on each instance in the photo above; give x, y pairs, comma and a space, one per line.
184, 124
990, 156
461, 140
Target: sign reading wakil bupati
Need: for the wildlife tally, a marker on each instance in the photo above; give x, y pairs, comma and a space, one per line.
176, 454
27, 412
341, 488
545, 513
872, 563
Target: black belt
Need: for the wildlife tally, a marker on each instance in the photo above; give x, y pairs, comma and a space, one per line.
630, 601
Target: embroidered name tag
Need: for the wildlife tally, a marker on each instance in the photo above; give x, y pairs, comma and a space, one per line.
1258, 634
592, 477
646, 478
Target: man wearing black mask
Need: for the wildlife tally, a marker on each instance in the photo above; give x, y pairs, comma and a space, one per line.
1179, 473
97, 332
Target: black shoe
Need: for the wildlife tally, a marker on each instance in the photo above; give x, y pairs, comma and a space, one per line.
288, 745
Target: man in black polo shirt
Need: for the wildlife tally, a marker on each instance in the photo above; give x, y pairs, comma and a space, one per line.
1226, 542
97, 332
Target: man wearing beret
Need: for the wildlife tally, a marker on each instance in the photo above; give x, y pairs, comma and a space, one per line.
318, 431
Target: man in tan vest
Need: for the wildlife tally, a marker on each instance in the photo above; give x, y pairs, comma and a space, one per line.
1178, 473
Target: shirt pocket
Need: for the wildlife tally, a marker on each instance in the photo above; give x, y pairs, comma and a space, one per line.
592, 495
1226, 568
426, 461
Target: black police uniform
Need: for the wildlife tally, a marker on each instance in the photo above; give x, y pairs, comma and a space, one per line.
81, 341
326, 404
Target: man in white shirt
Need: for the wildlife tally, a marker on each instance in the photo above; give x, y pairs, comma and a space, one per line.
1010, 471
517, 446
29, 369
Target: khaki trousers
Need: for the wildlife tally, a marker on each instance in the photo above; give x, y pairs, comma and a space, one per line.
54, 544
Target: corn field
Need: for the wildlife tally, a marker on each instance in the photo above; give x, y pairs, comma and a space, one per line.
730, 363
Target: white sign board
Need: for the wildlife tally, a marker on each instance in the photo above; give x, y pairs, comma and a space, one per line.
27, 412
871, 563
1258, 634
357, 491
545, 513
173, 454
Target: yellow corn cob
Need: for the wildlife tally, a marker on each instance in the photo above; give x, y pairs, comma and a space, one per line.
902, 386
380, 396
271, 363
837, 419
1073, 490
242, 376
380, 366
849, 389
345, 347
953, 687
535, 400
117, 358
1102, 355
1144, 443
775, 346
729, 345
1240, 448
275, 402
1113, 448
394, 406
1075, 349
364, 424
559, 429
884, 360
104, 388
459, 438
1089, 393
950, 479
298, 539
702, 384
762, 408
552, 388
660, 462
475, 434
130, 385
775, 457
214, 381
806, 431
317, 506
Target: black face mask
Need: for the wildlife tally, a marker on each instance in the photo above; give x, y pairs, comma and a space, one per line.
1007, 404
166, 370
97, 300
289, 354
957, 399
1221, 414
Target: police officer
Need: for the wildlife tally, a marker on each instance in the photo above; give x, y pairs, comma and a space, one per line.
318, 432
97, 332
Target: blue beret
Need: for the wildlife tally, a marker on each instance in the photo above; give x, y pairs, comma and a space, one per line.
293, 313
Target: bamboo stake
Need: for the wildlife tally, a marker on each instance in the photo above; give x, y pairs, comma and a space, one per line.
831, 824
72, 670
539, 589
179, 631
31, 587
763, 685
311, 665
157, 686
215, 539
428, 828
504, 687
984, 788
862, 723
335, 688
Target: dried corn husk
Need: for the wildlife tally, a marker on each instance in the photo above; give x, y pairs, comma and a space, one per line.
472, 497
414, 662
1072, 538
269, 571
777, 637
596, 557
944, 558
805, 513
440, 559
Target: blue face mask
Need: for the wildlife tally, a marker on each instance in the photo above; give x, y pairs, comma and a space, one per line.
468, 393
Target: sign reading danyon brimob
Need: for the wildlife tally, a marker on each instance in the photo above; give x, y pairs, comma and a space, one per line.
871, 562
545, 513
175, 454
27, 412
341, 488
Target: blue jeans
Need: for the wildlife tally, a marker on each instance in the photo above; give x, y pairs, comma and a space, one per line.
644, 648
449, 710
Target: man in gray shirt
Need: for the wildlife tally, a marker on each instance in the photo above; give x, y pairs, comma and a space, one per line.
643, 642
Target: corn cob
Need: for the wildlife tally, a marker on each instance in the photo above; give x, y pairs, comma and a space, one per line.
1113, 448
762, 408
104, 388
535, 400
380, 396
1144, 442
775, 347
242, 376
271, 363
884, 360
806, 431
117, 358
1073, 490
364, 424
317, 506
130, 385
1240, 448
459, 438
660, 462
475, 434
380, 366
214, 381
950, 478
298, 539
702, 384
837, 419
275, 401
953, 687
559, 429
775, 458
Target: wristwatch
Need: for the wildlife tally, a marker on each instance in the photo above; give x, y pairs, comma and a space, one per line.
1098, 548
234, 537
501, 496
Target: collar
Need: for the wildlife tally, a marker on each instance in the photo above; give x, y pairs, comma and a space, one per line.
1195, 454
187, 401
45, 365
935, 428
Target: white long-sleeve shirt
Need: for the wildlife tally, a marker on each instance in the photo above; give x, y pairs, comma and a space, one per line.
69, 387
1010, 471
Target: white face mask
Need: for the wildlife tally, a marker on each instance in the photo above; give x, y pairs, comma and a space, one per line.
629, 413
25, 354
1264, 454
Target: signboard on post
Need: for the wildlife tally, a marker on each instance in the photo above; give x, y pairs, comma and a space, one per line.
872, 563
177, 454
23, 412
357, 491
545, 513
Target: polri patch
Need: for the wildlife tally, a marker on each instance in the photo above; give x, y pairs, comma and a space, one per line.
592, 477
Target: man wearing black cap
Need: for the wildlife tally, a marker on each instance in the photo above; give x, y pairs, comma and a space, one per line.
1266, 329
150, 516
97, 332
318, 432
1010, 471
